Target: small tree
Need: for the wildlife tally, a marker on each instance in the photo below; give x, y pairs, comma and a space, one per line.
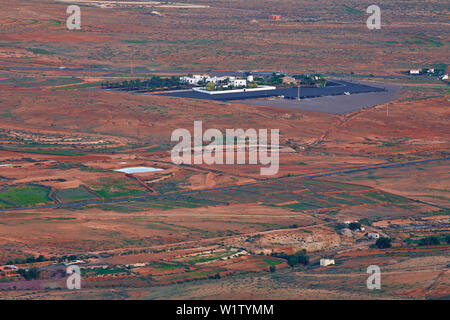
354, 226
302, 259
365, 221
210, 86
272, 269
383, 243
292, 261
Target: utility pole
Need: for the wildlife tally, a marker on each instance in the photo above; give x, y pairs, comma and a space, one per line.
298, 93
133, 54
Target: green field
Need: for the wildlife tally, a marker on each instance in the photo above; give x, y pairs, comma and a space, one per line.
73, 194
24, 196
110, 188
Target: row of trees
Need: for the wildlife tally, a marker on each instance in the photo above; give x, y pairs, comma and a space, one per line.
29, 259
315, 80
152, 84
275, 80
383, 243
41, 258
433, 240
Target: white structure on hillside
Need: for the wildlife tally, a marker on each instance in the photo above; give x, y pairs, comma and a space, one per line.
250, 78
414, 71
326, 262
372, 235
444, 77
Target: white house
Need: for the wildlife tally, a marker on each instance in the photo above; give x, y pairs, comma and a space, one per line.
414, 71
372, 235
239, 82
250, 78
326, 262
444, 77
10, 267
69, 263
195, 79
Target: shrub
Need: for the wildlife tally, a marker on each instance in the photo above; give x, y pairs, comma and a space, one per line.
29, 274
383, 243
365, 221
294, 259
429, 241
340, 226
354, 226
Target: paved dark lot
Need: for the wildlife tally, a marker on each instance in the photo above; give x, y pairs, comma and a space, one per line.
337, 104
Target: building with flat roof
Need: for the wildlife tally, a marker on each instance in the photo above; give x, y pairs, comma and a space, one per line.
326, 262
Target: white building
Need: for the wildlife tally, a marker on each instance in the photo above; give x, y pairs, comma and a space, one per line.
10, 267
250, 78
195, 79
70, 263
216, 80
326, 262
239, 82
444, 77
414, 71
372, 235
